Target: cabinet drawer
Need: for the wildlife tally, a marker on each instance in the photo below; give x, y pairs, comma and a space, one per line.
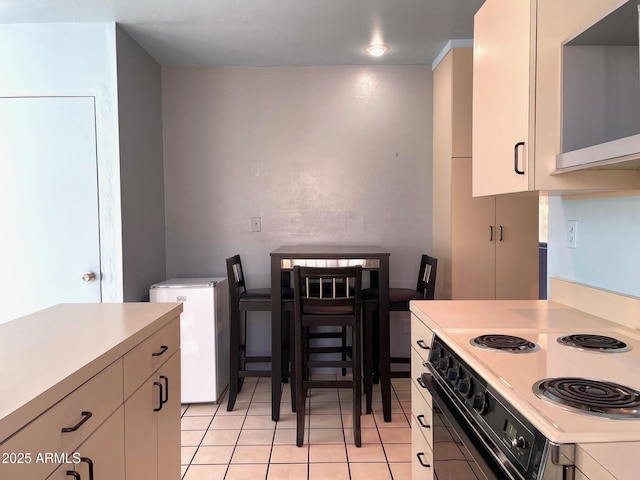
421, 336
421, 454
100, 396
146, 358
422, 411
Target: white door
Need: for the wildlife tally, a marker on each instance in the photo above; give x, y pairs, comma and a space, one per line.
48, 203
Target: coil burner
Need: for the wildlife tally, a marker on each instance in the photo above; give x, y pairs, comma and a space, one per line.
504, 343
591, 397
596, 343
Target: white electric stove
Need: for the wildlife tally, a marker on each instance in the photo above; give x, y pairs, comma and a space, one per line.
502, 387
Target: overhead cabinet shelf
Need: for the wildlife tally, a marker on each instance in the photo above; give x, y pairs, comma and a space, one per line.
601, 95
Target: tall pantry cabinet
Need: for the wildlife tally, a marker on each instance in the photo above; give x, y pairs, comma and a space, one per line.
487, 247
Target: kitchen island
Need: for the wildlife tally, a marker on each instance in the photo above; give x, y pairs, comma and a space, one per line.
91, 388
606, 448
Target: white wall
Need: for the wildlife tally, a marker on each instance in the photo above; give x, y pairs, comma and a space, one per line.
324, 155
141, 168
67, 60
608, 253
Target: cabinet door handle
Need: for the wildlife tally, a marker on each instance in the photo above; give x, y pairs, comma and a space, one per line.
71, 473
166, 389
501, 231
422, 345
491, 233
422, 424
163, 348
420, 455
516, 159
85, 416
160, 403
89, 462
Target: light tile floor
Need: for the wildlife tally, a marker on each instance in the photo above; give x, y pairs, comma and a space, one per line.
247, 444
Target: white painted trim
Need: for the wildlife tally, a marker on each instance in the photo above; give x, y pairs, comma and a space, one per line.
451, 44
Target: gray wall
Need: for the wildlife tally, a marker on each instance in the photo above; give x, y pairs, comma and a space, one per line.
324, 155
141, 168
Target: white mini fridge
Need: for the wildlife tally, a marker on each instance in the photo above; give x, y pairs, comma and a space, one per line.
204, 334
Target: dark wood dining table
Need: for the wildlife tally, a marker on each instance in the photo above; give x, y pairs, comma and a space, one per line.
371, 258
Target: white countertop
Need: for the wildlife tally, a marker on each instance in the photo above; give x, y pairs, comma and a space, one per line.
541, 315
45, 355
456, 320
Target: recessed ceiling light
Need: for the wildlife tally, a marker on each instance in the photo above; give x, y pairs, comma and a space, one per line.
376, 50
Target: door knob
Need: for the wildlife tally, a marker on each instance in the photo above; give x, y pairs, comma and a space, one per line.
88, 277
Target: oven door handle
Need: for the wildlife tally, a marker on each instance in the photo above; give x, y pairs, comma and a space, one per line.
497, 466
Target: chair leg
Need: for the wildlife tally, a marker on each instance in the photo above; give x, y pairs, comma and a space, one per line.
356, 343
287, 346
375, 329
300, 369
344, 349
367, 329
292, 360
234, 360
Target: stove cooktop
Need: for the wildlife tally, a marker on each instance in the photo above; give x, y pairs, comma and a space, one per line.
514, 377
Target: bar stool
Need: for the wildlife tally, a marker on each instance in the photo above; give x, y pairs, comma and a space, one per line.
241, 301
332, 306
399, 299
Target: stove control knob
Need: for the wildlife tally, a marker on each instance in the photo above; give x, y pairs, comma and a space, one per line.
443, 364
464, 386
452, 374
519, 442
480, 402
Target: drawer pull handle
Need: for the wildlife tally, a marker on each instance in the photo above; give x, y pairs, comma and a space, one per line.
422, 345
85, 416
516, 160
89, 462
166, 389
71, 473
163, 348
420, 455
422, 424
160, 403
419, 380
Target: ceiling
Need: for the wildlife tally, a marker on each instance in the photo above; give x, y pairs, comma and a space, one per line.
268, 32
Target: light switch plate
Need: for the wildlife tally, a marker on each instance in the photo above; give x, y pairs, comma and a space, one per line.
256, 224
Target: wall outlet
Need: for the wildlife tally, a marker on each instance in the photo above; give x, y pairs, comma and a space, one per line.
572, 233
256, 224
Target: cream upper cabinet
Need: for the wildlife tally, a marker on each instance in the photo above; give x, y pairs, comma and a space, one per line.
517, 104
502, 97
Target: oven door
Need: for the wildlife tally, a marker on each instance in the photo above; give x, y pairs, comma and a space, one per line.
459, 452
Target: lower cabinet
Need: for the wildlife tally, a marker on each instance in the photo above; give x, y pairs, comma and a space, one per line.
152, 425
421, 404
421, 454
122, 423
